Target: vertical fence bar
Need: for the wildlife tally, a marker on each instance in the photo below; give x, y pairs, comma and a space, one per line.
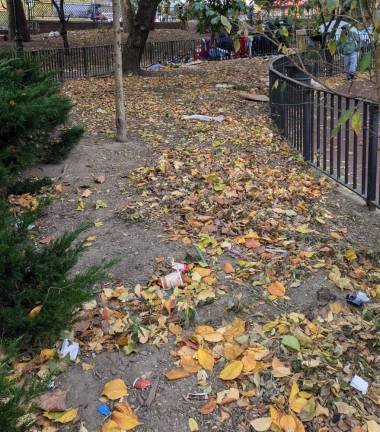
347, 145
372, 154
339, 140
355, 161
332, 113
364, 149
307, 93
318, 128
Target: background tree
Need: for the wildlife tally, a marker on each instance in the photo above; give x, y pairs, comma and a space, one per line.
139, 17
16, 12
63, 19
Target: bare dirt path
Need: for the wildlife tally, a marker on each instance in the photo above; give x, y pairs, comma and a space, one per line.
235, 191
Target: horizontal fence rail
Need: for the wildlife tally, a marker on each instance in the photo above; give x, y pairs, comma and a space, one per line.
92, 61
313, 121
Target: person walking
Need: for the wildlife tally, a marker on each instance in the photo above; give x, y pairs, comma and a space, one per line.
349, 43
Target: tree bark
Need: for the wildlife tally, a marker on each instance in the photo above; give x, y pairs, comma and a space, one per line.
128, 14
118, 73
16, 11
143, 23
60, 8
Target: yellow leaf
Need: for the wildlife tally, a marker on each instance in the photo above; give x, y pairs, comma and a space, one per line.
111, 426
189, 364
175, 329
232, 351
227, 396
204, 329
293, 392
193, 425
249, 363
277, 289
175, 374
206, 359
232, 370
298, 404
372, 426
47, 354
213, 337
261, 424
125, 417
204, 272
288, 423
350, 255
91, 238
35, 312
62, 416
115, 389
87, 366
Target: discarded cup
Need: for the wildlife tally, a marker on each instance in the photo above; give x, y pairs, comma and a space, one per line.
141, 384
354, 300
360, 295
185, 268
172, 280
69, 348
359, 384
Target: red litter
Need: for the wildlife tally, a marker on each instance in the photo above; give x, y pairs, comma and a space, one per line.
141, 384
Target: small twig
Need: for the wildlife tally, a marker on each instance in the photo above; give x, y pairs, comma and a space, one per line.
152, 393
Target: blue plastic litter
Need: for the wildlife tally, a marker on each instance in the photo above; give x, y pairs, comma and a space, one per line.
104, 409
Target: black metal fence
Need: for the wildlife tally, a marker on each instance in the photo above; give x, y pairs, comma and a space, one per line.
83, 62
318, 123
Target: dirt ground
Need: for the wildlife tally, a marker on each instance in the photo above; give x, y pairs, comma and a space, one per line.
363, 86
135, 229
100, 36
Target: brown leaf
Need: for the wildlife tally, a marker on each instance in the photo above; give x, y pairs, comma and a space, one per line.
175, 374
227, 267
208, 407
53, 400
100, 179
46, 240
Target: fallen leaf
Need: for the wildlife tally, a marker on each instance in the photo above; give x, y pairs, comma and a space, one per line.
232, 351
193, 425
100, 204
227, 396
232, 370
115, 389
111, 426
208, 407
261, 424
276, 289
125, 417
46, 240
54, 400
62, 416
288, 423
175, 329
279, 369
205, 359
175, 374
189, 364
35, 312
372, 426
344, 408
100, 179
291, 342
227, 268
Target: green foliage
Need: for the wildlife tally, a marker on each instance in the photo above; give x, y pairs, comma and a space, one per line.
33, 276
29, 185
31, 111
15, 402
217, 15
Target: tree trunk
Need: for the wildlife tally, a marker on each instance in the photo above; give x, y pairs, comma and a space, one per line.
143, 23
16, 12
118, 73
63, 33
128, 15
60, 8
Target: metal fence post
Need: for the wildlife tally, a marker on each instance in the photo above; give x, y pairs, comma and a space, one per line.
372, 155
307, 122
85, 61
